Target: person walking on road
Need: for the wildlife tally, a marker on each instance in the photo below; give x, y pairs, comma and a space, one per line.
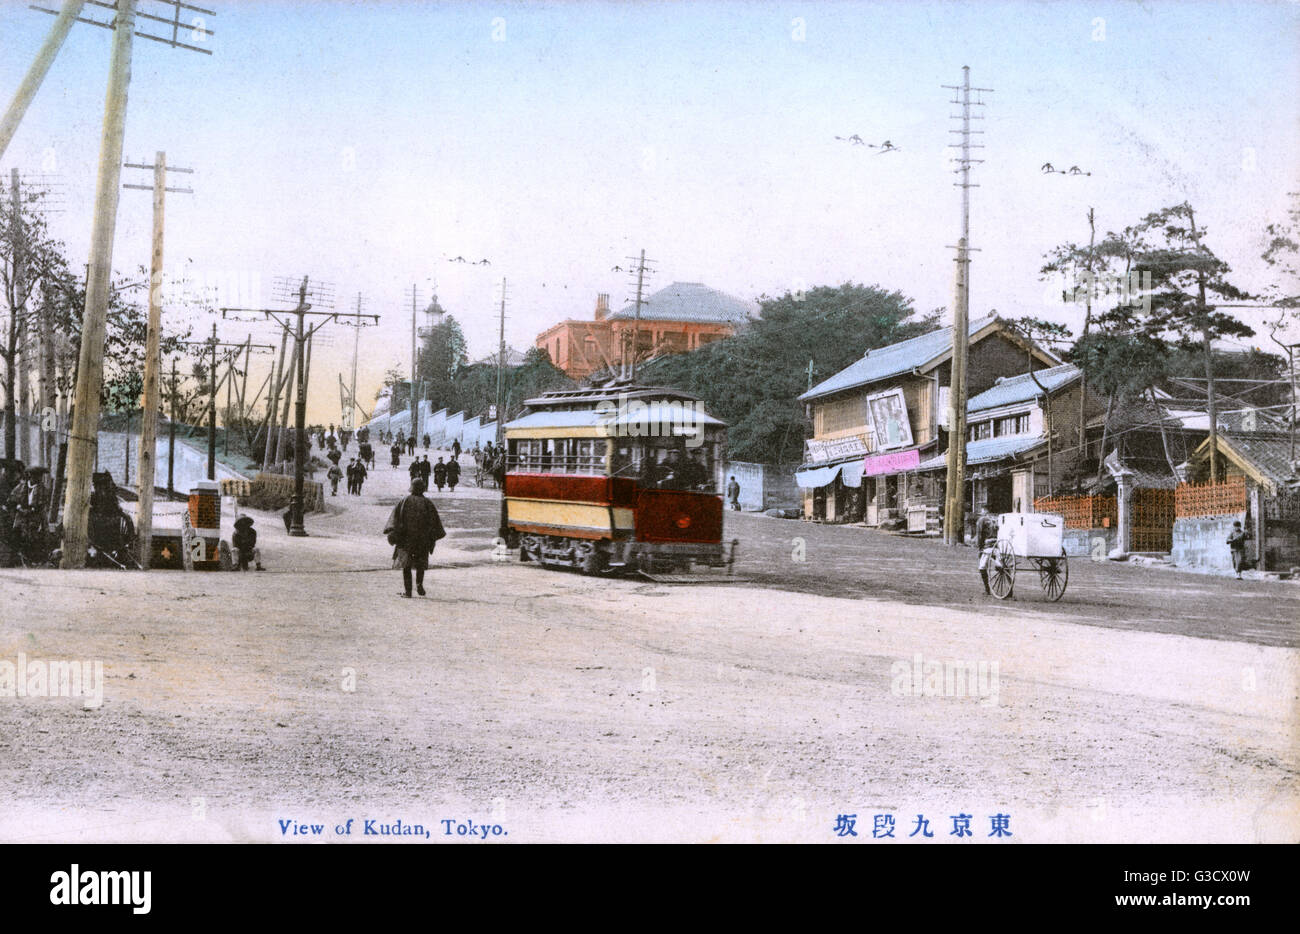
440, 475
361, 475
455, 448
733, 493
1237, 545
410, 445
413, 529
397, 455
426, 441
453, 474
335, 475
414, 471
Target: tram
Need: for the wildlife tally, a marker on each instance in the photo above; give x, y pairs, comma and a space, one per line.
617, 476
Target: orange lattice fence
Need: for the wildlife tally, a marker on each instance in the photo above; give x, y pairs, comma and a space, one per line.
1192, 500
1153, 521
1081, 512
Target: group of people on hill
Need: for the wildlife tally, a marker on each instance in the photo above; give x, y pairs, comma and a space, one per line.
442, 474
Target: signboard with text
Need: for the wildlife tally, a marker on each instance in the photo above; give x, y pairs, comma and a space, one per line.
830, 450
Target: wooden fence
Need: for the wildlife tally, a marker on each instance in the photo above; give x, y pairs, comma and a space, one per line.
1081, 512
1195, 500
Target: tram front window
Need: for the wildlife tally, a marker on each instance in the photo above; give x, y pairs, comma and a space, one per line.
667, 464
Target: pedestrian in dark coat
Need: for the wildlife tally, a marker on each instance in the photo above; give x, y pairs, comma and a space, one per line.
397, 455
425, 469
413, 529
335, 475
440, 475
453, 474
361, 475
415, 471
455, 448
1237, 545
410, 445
245, 542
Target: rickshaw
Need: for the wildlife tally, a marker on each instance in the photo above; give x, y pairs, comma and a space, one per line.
1030, 541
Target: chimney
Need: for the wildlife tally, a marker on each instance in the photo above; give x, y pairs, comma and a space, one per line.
602, 306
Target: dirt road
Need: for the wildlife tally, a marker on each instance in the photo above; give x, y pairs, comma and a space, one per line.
557, 707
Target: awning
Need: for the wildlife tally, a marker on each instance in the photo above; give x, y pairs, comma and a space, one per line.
852, 475
816, 477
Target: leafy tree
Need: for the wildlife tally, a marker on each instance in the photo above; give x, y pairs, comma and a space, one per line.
753, 379
1185, 276
444, 352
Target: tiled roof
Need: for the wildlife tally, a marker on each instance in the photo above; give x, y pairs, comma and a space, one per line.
688, 301
987, 451
884, 362
1269, 452
1022, 388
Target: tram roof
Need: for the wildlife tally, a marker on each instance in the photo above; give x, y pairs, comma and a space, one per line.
657, 412
613, 391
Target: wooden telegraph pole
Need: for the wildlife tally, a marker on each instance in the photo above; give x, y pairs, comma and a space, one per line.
302, 333
84, 430
148, 453
83, 434
955, 487
36, 73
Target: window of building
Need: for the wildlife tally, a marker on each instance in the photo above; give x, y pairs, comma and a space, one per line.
1011, 425
981, 430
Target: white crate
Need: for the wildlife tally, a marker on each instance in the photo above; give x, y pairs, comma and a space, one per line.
1032, 534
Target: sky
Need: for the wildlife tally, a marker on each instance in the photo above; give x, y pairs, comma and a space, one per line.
367, 144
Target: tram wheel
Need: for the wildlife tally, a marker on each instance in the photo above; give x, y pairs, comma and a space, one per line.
591, 560
1002, 570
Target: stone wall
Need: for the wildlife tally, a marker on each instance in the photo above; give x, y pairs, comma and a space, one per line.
762, 486
1090, 543
1202, 542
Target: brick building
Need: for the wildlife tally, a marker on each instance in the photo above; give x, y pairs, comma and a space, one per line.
676, 319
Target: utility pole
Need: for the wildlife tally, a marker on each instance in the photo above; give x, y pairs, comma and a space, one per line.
415, 409
955, 487
47, 381
83, 434
501, 367
320, 294
503, 527
210, 347
348, 394
84, 430
273, 401
36, 73
152, 359
19, 327
629, 370
171, 440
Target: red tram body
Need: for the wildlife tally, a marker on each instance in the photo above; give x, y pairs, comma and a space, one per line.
616, 475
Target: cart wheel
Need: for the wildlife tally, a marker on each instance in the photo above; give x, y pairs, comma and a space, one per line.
1002, 570
1054, 574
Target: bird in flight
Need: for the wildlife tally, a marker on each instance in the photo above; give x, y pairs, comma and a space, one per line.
458, 259
1049, 169
884, 147
482, 262
855, 139
616, 269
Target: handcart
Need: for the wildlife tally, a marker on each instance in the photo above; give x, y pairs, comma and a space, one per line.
1026, 541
